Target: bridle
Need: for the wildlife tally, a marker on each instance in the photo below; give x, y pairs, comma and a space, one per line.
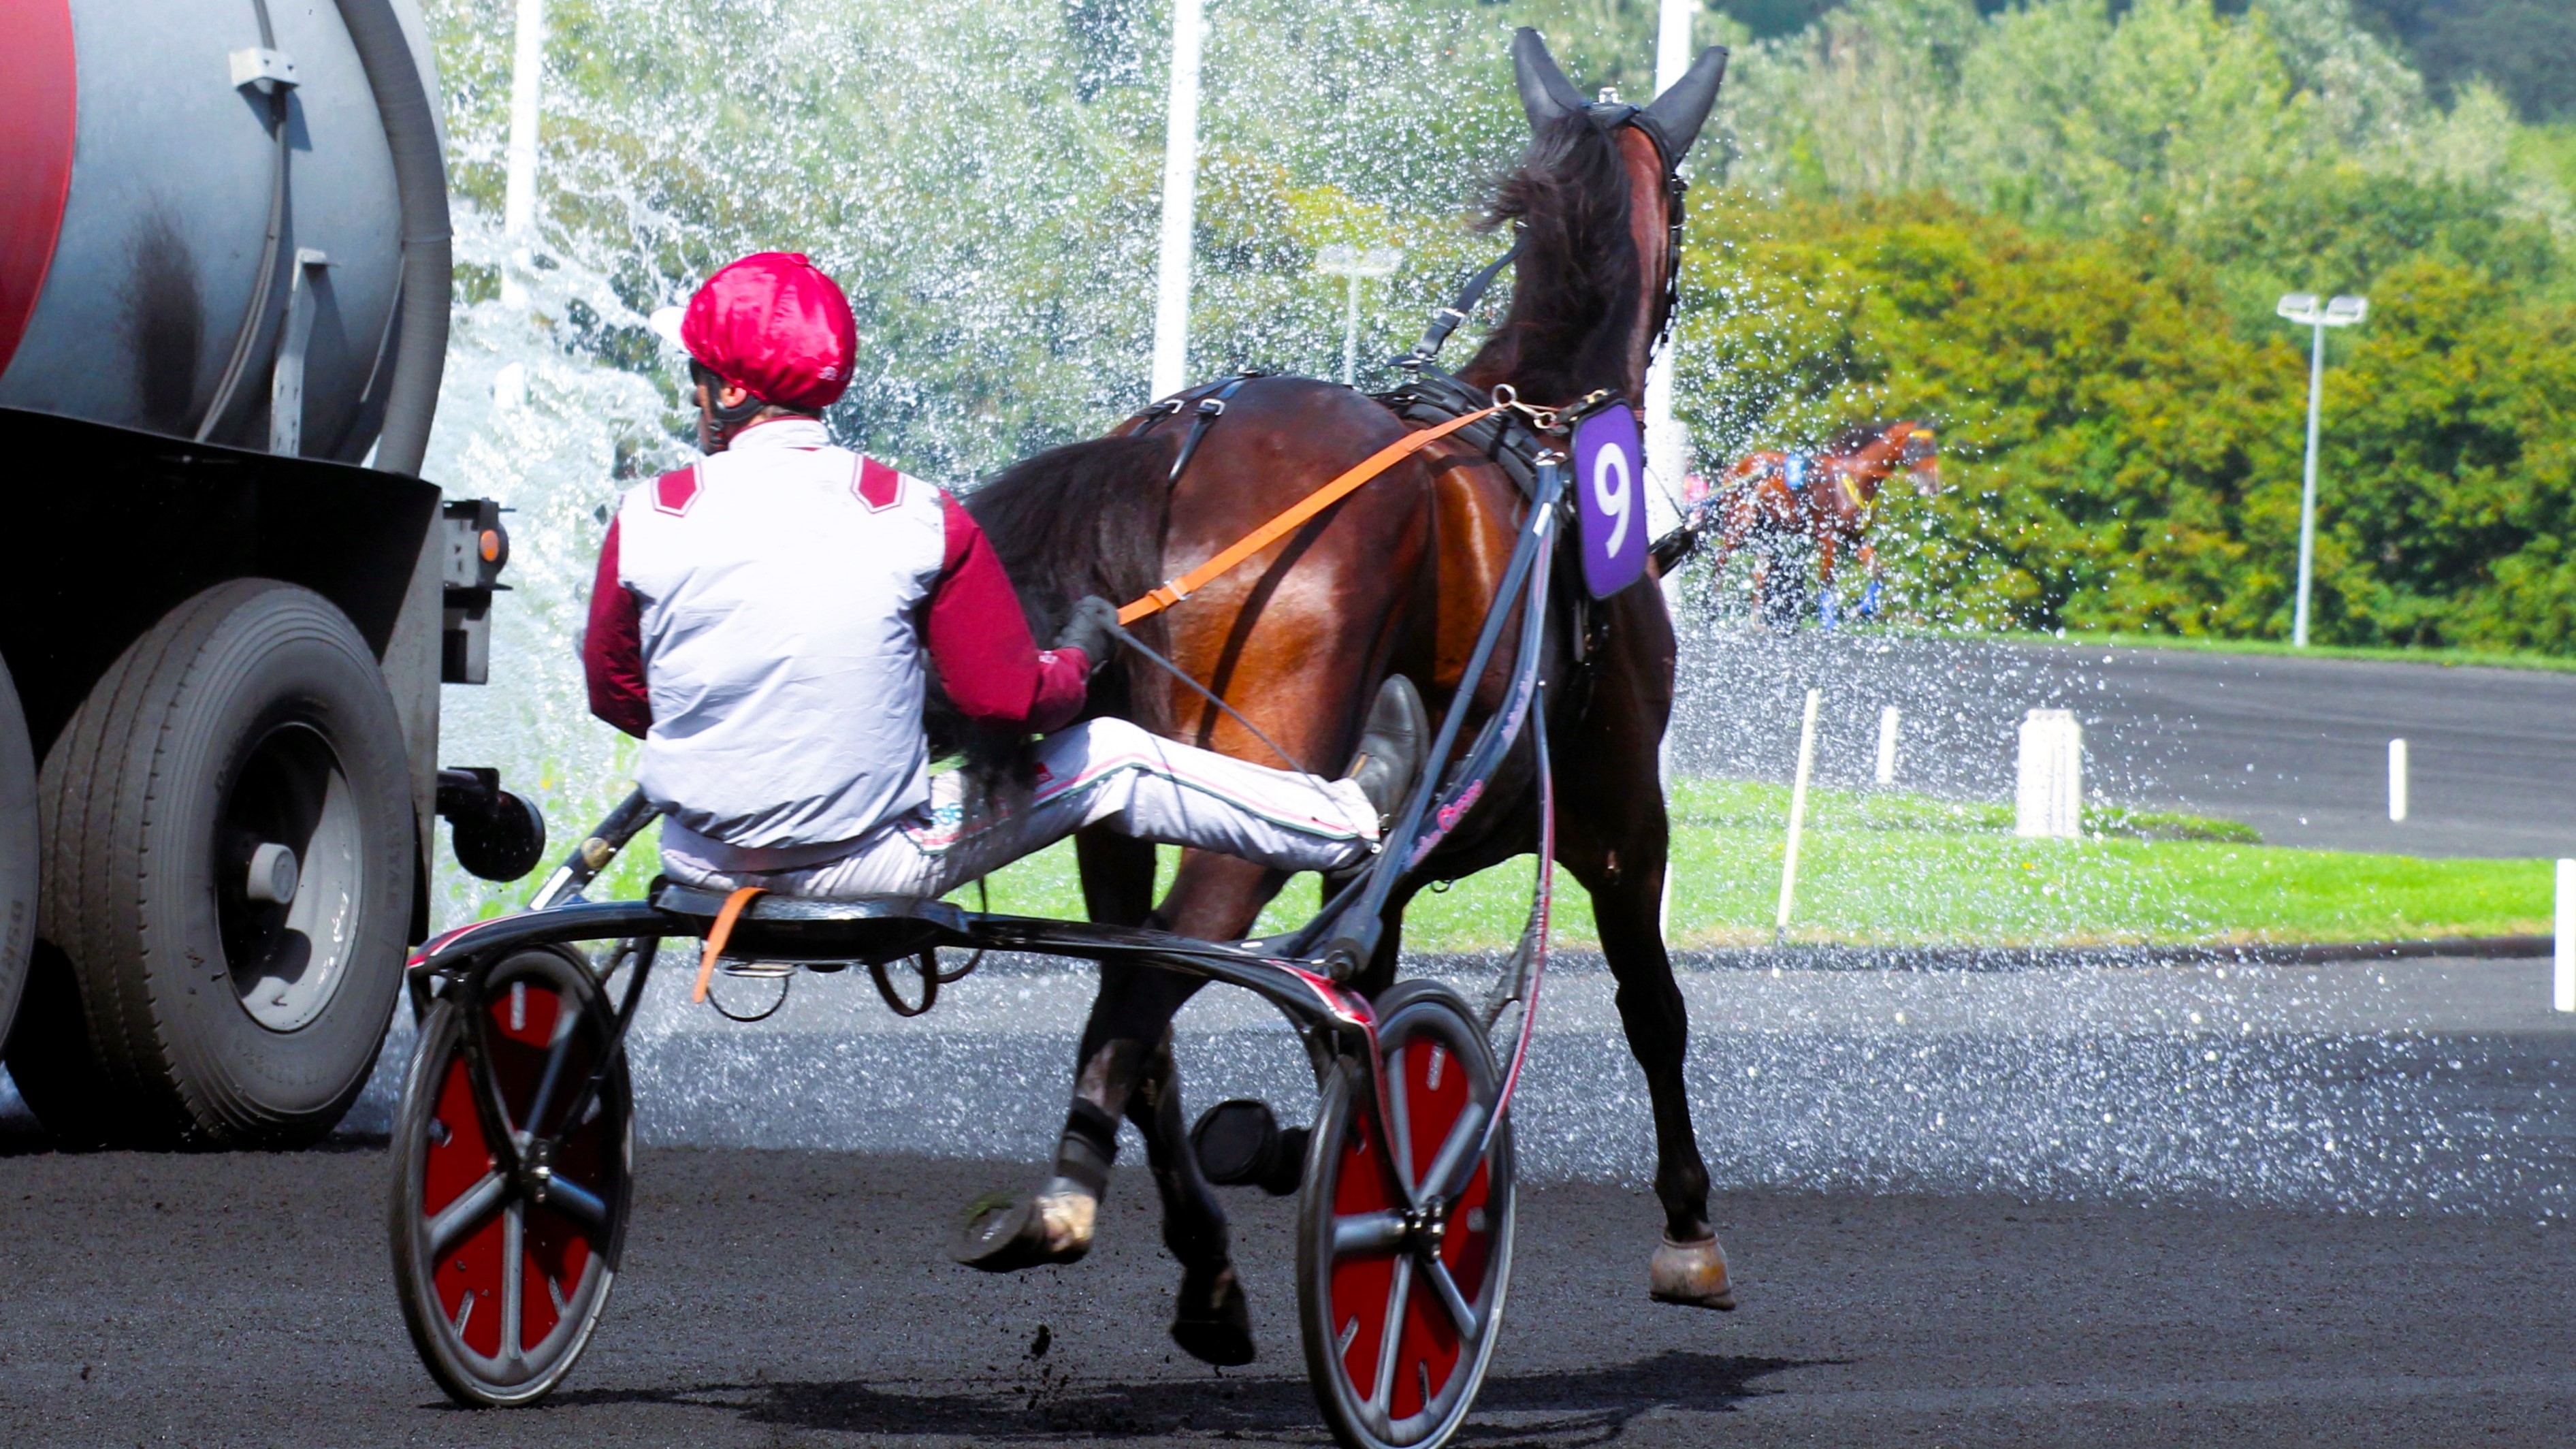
1609, 116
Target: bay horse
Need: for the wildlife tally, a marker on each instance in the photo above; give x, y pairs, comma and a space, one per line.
1393, 579
1794, 507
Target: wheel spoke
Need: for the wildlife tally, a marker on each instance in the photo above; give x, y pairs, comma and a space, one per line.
1399, 1292
1367, 1233
1399, 1132
500, 1135
514, 1239
1445, 1288
1456, 1155
558, 1057
577, 1201
459, 1218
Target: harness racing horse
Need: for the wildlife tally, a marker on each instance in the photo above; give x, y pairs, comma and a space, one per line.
1789, 505
1393, 579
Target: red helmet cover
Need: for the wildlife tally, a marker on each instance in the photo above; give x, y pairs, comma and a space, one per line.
775, 326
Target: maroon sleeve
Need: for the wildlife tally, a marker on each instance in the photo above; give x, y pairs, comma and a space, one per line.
993, 670
612, 648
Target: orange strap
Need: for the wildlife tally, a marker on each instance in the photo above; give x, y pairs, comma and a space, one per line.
1175, 590
719, 935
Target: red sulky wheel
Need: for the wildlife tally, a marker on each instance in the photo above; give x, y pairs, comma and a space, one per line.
502, 1283
1400, 1307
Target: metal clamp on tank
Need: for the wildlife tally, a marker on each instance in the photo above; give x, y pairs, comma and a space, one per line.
470, 571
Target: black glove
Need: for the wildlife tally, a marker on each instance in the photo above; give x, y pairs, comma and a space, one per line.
1089, 630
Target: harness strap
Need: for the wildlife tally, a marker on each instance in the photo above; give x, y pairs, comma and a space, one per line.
1446, 320
721, 933
1211, 408
1173, 591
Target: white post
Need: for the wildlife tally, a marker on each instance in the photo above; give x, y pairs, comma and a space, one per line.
1664, 782
519, 187
2396, 779
2316, 313
1180, 199
1667, 440
2048, 787
2308, 491
2562, 986
1887, 718
1797, 815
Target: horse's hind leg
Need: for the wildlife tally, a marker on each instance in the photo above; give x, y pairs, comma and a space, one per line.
1210, 1320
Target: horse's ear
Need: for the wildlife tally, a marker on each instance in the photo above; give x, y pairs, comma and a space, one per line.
1682, 110
1545, 92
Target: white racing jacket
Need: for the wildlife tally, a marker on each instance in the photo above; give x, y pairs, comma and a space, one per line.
761, 620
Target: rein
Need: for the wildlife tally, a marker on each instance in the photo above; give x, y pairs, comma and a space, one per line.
1172, 591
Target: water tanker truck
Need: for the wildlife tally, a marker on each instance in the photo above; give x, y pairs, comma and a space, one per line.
224, 291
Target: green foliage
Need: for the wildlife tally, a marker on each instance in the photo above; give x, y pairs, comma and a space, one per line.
2526, 47
2118, 456
2058, 231
2055, 229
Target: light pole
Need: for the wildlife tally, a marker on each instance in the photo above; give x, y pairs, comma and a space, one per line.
1354, 263
519, 189
1180, 198
1667, 441
2301, 308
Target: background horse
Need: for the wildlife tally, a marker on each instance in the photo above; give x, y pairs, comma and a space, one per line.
1791, 507
1395, 578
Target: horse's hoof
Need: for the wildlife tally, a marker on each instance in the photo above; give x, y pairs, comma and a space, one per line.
1212, 1323
1004, 1234
1691, 1274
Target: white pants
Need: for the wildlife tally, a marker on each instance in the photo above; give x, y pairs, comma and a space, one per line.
1101, 772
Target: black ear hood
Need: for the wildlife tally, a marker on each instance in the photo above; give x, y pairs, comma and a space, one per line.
1681, 111
1545, 92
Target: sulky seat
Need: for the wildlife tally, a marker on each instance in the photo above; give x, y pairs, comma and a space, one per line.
867, 930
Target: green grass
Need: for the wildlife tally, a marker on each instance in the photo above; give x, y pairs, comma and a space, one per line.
1887, 868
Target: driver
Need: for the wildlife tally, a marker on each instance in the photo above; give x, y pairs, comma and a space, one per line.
765, 619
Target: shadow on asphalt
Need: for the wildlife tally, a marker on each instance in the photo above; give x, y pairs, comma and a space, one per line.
1593, 1405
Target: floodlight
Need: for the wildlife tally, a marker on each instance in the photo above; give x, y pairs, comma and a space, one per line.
1352, 263
2343, 311
1349, 261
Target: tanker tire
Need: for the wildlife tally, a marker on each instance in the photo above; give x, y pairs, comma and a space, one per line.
252, 714
18, 862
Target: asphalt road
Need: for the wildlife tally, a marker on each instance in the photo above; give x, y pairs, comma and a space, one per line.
801, 1298
2145, 1205
2298, 748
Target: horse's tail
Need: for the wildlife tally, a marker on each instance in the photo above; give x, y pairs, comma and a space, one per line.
1086, 518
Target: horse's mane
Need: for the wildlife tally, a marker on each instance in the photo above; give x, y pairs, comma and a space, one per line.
1086, 518
1573, 313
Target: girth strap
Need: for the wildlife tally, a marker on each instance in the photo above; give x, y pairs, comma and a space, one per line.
1172, 592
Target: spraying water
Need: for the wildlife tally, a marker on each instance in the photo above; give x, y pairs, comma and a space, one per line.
984, 180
